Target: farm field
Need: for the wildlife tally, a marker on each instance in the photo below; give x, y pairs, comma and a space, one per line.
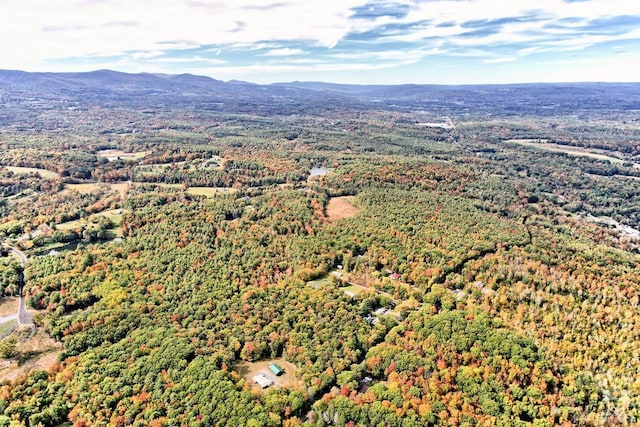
213, 163
160, 185
210, 191
113, 155
24, 170
87, 187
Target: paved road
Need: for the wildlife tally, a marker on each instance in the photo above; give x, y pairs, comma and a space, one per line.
24, 317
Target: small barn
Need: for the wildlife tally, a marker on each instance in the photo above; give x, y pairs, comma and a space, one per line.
276, 369
262, 380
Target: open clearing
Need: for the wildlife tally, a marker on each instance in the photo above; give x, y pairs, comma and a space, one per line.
341, 207
325, 281
8, 324
43, 350
213, 163
249, 369
199, 191
210, 191
113, 155
567, 149
19, 170
91, 187
354, 290
115, 215
159, 185
85, 188
72, 225
121, 187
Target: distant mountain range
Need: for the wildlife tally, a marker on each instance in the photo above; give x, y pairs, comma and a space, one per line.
518, 99
109, 82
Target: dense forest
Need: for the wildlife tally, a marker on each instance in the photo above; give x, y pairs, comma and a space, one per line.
404, 273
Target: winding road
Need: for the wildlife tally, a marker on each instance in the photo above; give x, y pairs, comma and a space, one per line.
24, 317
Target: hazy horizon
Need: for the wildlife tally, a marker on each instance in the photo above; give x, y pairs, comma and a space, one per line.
325, 82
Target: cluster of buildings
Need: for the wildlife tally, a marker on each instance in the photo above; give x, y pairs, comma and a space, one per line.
263, 380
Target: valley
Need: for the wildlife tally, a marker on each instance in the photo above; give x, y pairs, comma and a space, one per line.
425, 256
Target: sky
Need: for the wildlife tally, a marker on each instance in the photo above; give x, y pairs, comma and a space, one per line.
345, 41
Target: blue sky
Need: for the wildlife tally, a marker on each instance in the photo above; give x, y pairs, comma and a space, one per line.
345, 41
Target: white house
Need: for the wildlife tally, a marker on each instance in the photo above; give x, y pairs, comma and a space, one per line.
262, 380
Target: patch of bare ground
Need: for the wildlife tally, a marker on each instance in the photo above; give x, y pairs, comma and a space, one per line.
341, 207
8, 306
39, 352
248, 370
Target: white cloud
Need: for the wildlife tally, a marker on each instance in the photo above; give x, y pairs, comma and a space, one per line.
622, 68
270, 72
499, 60
145, 55
285, 51
189, 60
42, 29
446, 22
473, 10
146, 33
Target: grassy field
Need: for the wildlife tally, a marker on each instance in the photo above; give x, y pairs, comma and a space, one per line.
214, 163
121, 187
115, 215
7, 327
55, 246
91, 187
210, 191
72, 225
354, 290
86, 188
8, 306
341, 207
18, 170
159, 184
325, 281
157, 167
119, 154
567, 149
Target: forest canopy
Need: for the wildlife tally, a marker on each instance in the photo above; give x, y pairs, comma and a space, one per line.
484, 273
